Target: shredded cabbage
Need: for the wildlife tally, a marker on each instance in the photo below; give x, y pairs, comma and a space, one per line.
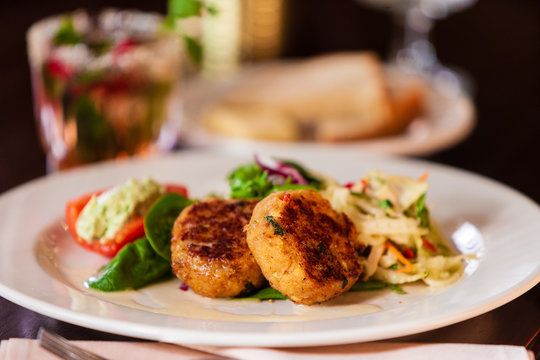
390, 211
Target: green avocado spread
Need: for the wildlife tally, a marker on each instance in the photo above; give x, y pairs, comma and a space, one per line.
107, 213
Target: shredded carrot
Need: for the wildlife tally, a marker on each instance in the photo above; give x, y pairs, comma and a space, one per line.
364, 185
407, 265
424, 177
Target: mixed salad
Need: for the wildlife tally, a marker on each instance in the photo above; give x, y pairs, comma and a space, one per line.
397, 240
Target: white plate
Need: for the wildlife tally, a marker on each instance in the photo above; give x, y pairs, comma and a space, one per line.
448, 120
31, 234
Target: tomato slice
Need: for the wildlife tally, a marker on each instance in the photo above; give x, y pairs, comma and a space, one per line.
175, 188
130, 232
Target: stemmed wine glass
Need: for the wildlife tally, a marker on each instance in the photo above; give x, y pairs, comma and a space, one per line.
411, 50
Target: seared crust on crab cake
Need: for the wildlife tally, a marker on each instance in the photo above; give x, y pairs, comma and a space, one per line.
303, 246
209, 248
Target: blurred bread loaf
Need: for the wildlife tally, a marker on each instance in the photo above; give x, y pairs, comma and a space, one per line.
336, 97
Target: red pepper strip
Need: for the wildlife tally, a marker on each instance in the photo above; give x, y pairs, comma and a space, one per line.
285, 197
428, 245
130, 232
408, 253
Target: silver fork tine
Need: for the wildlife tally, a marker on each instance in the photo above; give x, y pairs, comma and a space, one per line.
63, 348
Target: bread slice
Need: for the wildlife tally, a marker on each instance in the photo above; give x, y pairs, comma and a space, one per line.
328, 98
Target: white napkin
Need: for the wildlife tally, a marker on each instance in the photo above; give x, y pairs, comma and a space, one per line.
29, 349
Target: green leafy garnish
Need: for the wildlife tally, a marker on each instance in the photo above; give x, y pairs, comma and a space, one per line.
266, 293
368, 286
278, 230
396, 288
251, 181
159, 221
66, 34
135, 265
194, 49
374, 285
185, 8
359, 194
422, 212
385, 204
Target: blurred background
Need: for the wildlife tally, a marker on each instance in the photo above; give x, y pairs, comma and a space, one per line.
495, 42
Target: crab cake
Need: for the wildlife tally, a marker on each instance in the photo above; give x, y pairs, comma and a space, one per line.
303, 246
209, 248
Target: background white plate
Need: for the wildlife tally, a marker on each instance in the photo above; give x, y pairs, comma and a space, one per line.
509, 266
448, 120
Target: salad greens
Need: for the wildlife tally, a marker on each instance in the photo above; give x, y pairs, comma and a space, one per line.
135, 265
252, 181
159, 221
374, 285
266, 293
403, 245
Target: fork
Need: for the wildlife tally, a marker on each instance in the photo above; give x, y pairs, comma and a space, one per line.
63, 348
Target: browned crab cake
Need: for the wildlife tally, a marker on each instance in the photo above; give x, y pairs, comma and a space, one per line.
303, 246
209, 248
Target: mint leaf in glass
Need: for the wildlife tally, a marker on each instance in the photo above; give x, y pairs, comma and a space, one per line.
66, 34
185, 8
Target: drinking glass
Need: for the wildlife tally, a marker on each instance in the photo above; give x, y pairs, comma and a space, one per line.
105, 86
411, 50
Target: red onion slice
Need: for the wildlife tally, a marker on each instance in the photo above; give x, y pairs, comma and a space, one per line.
278, 168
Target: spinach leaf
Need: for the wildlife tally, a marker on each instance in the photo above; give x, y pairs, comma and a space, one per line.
373, 285
368, 286
266, 293
159, 221
135, 266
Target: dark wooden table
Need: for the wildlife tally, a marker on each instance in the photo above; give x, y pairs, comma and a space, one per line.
497, 42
